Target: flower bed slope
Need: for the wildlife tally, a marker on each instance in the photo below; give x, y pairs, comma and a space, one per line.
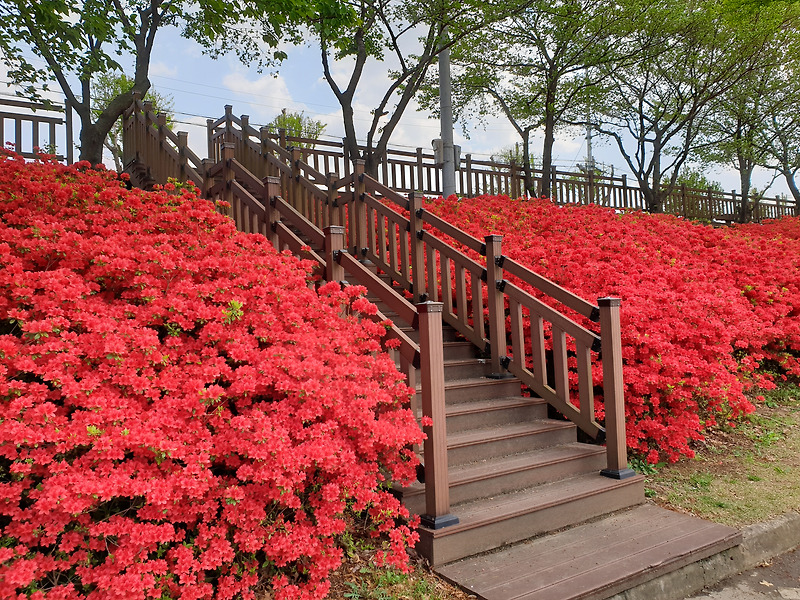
180, 415
703, 309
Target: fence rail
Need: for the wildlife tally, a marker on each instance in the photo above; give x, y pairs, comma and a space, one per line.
35, 128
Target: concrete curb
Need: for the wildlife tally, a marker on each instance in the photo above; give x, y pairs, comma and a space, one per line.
760, 542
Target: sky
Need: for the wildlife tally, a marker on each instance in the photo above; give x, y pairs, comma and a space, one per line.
200, 87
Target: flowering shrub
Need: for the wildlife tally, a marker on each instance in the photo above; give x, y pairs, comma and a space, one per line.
180, 415
702, 308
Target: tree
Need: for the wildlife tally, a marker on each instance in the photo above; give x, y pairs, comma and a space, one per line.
411, 33
298, 125
658, 105
736, 134
110, 85
539, 68
79, 39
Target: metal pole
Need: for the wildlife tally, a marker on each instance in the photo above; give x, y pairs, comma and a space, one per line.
446, 115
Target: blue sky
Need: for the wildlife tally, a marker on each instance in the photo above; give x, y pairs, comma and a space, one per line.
201, 87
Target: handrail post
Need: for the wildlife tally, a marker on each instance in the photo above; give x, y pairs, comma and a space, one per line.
296, 189
417, 247
437, 491
228, 123
334, 210
496, 302
183, 142
210, 139
358, 219
228, 151
334, 243
613, 390
272, 189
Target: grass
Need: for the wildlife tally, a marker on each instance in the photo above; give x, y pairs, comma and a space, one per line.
740, 476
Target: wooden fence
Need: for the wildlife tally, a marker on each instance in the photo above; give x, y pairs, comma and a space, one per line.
406, 171
37, 128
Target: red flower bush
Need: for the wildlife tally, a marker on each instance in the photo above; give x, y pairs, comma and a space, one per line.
180, 414
703, 309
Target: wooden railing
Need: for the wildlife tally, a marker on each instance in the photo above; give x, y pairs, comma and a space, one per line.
37, 130
150, 144
451, 276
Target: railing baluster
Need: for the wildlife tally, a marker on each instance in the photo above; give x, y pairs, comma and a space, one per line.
559, 339
494, 275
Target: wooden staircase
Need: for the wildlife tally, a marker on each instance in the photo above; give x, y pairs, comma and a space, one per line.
513, 472
509, 483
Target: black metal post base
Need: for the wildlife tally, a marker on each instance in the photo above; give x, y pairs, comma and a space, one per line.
438, 522
618, 473
505, 375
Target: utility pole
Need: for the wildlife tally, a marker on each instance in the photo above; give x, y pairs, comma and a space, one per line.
446, 118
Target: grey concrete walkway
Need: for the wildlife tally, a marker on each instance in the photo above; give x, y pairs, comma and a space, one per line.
778, 578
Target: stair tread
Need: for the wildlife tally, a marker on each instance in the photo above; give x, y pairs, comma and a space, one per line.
595, 559
490, 510
460, 474
477, 406
476, 381
472, 436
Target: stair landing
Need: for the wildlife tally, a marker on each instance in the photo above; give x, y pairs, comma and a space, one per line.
595, 560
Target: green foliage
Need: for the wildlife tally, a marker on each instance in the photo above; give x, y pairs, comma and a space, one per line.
697, 180
109, 85
298, 125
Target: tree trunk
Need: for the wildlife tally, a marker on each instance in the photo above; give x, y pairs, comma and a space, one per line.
549, 136
526, 160
792, 184
745, 212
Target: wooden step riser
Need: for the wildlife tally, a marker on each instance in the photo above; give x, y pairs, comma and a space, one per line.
443, 548
466, 368
448, 334
460, 350
507, 482
504, 446
484, 389
492, 418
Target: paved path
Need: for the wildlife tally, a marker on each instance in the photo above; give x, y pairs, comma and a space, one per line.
777, 579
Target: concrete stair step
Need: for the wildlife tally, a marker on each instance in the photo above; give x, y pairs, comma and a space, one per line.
508, 473
496, 521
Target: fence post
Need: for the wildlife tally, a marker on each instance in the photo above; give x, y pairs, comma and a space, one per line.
272, 189
469, 175
358, 216
437, 490
417, 247
497, 314
553, 182
334, 243
591, 191
420, 171
613, 390
282, 138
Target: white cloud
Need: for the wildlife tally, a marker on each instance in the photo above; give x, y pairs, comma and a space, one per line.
160, 69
